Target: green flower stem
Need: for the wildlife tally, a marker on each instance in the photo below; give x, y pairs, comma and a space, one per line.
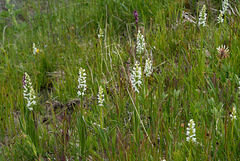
101, 117
140, 118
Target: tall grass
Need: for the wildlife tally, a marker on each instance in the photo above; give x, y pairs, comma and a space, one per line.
190, 80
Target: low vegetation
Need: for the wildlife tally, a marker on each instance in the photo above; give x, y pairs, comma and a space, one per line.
120, 80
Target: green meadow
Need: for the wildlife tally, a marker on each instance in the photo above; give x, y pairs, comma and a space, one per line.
119, 80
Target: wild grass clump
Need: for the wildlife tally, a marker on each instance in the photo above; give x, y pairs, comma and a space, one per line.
119, 80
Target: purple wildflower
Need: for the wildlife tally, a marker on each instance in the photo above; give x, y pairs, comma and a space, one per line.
135, 14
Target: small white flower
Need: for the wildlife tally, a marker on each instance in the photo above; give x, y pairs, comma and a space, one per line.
136, 78
202, 17
100, 34
191, 132
233, 114
28, 92
100, 96
81, 82
140, 43
96, 124
239, 87
35, 50
220, 17
148, 67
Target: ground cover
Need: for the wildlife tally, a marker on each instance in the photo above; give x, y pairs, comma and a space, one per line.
119, 80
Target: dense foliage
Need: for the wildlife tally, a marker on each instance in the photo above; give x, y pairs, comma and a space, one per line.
120, 80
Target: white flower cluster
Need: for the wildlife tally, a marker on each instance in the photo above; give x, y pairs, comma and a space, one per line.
202, 17
140, 43
100, 34
81, 82
100, 96
233, 114
222, 12
224, 6
220, 17
28, 92
136, 78
148, 67
191, 131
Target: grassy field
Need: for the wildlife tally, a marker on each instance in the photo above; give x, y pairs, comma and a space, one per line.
120, 80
